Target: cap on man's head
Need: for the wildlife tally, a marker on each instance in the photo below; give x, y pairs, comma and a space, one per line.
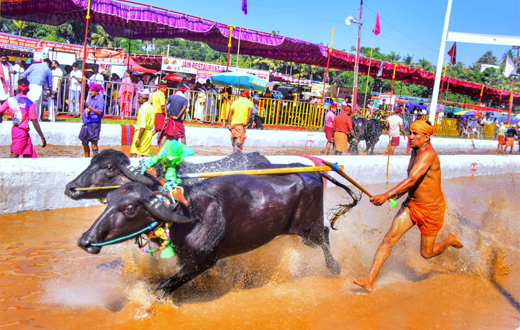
17, 61
144, 93
398, 112
245, 93
182, 88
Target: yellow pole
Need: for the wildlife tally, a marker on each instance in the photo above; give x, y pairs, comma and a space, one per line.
327, 69
257, 172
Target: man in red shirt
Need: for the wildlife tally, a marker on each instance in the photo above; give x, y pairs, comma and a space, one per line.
341, 129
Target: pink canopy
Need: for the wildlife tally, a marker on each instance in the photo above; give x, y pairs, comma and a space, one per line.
146, 22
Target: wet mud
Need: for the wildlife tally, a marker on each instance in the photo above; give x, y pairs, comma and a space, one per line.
47, 282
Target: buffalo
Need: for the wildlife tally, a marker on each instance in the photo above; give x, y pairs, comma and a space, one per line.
226, 216
112, 168
369, 130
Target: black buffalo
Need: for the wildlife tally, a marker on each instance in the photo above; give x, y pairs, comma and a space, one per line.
112, 168
368, 130
226, 216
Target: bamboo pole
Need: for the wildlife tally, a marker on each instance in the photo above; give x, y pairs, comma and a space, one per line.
257, 172
327, 69
85, 56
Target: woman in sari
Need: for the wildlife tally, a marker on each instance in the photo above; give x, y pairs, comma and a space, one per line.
126, 94
224, 105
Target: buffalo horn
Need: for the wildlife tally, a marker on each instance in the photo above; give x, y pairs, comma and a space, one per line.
166, 213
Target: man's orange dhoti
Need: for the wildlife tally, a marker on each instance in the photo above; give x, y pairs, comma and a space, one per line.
510, 142
239, 132
501, 140
428, 217
340, 141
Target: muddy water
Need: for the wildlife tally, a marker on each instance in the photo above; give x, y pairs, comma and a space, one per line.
77, 151
47, 282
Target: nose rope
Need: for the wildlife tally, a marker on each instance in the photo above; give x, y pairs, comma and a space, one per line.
97, 188
150, 227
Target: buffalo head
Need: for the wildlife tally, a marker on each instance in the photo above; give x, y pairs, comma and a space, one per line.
130, 209
108, 168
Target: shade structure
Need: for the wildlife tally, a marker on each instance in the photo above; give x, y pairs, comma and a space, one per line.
173, 77
240, 80
147, 22
134, 67
469, 113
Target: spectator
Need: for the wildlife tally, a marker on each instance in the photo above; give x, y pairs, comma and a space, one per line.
268, 94
329, 126
510, 138
75, 80
91, 117
139, 86
126, 94
152, 85
371, 106
113, 87
341, 129
38, 76
22, 110
440, 116
145, 123
18, 69
6, 87
501, 138
57, 76
394, 127
158, 101
239, 116
225, 103
174, 128
257, 120
383, 106
200, 101
97, 79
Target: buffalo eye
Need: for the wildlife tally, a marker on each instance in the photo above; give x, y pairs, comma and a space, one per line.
109, 168
130, 209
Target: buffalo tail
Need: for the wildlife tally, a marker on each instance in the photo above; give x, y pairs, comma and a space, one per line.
337, 211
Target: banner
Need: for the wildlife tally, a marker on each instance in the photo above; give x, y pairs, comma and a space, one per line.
193, 67
318, 89
203, 74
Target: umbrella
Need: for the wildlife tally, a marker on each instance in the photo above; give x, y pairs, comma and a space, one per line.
173, 77
239, 80
469, 113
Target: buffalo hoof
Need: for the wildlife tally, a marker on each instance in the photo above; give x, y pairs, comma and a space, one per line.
334, 267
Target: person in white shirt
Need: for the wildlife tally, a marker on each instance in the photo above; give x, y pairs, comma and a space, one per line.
394, 127
139, 86
76, 77
6, 88
57, 76
97, 79
18, 69
440, 116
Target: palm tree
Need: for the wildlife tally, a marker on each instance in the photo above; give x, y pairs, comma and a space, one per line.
100, 38
408, 60
393, 57
424, 64
20, 25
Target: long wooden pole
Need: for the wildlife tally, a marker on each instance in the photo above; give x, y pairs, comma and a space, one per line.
442, 82
327, 69
392, 89
356, 69
257, 172
85, 56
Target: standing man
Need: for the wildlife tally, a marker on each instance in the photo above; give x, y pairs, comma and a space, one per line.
424, 207
257, 120
158, 101
383, 106
501, 138
22, 111
57, 76
394, 126
91, 117
97, 79
39, 75
341, 129
239, 116
18, 69
6, 87
76, 77
174, 127
329, 127
145, 122
510, 138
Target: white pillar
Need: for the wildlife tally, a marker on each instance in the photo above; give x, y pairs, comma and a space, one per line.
438, 75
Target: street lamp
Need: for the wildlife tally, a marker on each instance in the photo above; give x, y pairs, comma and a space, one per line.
350, 20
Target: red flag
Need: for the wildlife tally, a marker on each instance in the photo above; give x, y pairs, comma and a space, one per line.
453, 54
377, 28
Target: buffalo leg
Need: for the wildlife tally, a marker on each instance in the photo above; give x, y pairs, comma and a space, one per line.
186, 274
332, 264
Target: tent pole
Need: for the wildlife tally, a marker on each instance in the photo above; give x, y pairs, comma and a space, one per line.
229, 47
442, 82
392, 89
85, 56
368, 74
513, 90
239, 36
327, 69
481, 93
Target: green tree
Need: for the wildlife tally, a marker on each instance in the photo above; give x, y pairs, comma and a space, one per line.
20, 25
101, 38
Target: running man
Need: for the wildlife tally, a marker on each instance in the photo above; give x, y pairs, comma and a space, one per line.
424, 207
510, 138
329, 127
501, 138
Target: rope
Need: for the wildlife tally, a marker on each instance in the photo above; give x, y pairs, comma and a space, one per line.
388, 164
98, 188
150, 227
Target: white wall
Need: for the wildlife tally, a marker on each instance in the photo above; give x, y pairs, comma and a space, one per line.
67, 134
39, 184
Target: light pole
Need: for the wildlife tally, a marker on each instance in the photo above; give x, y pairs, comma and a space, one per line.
349, 21
514, 81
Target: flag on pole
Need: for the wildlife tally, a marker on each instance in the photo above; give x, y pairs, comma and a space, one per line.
377, 28
380, 71
510, 67
453, 54
244, 7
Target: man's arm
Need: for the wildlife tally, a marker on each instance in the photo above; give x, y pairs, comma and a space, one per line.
180, 113
249, 113
401, 127
39, 131
231, 111
418, 171
49, 80
28, 71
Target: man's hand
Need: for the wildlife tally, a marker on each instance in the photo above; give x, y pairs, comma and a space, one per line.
378, 200
137, 143
44, 142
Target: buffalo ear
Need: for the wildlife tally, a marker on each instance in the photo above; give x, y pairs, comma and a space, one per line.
161, 207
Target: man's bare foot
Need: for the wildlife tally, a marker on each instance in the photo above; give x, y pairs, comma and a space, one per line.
456, 242
365, 283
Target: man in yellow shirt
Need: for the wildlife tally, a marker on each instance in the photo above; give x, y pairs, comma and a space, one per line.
239, 116
145, 122
158, 102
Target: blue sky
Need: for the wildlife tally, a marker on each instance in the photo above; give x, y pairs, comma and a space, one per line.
407, 26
